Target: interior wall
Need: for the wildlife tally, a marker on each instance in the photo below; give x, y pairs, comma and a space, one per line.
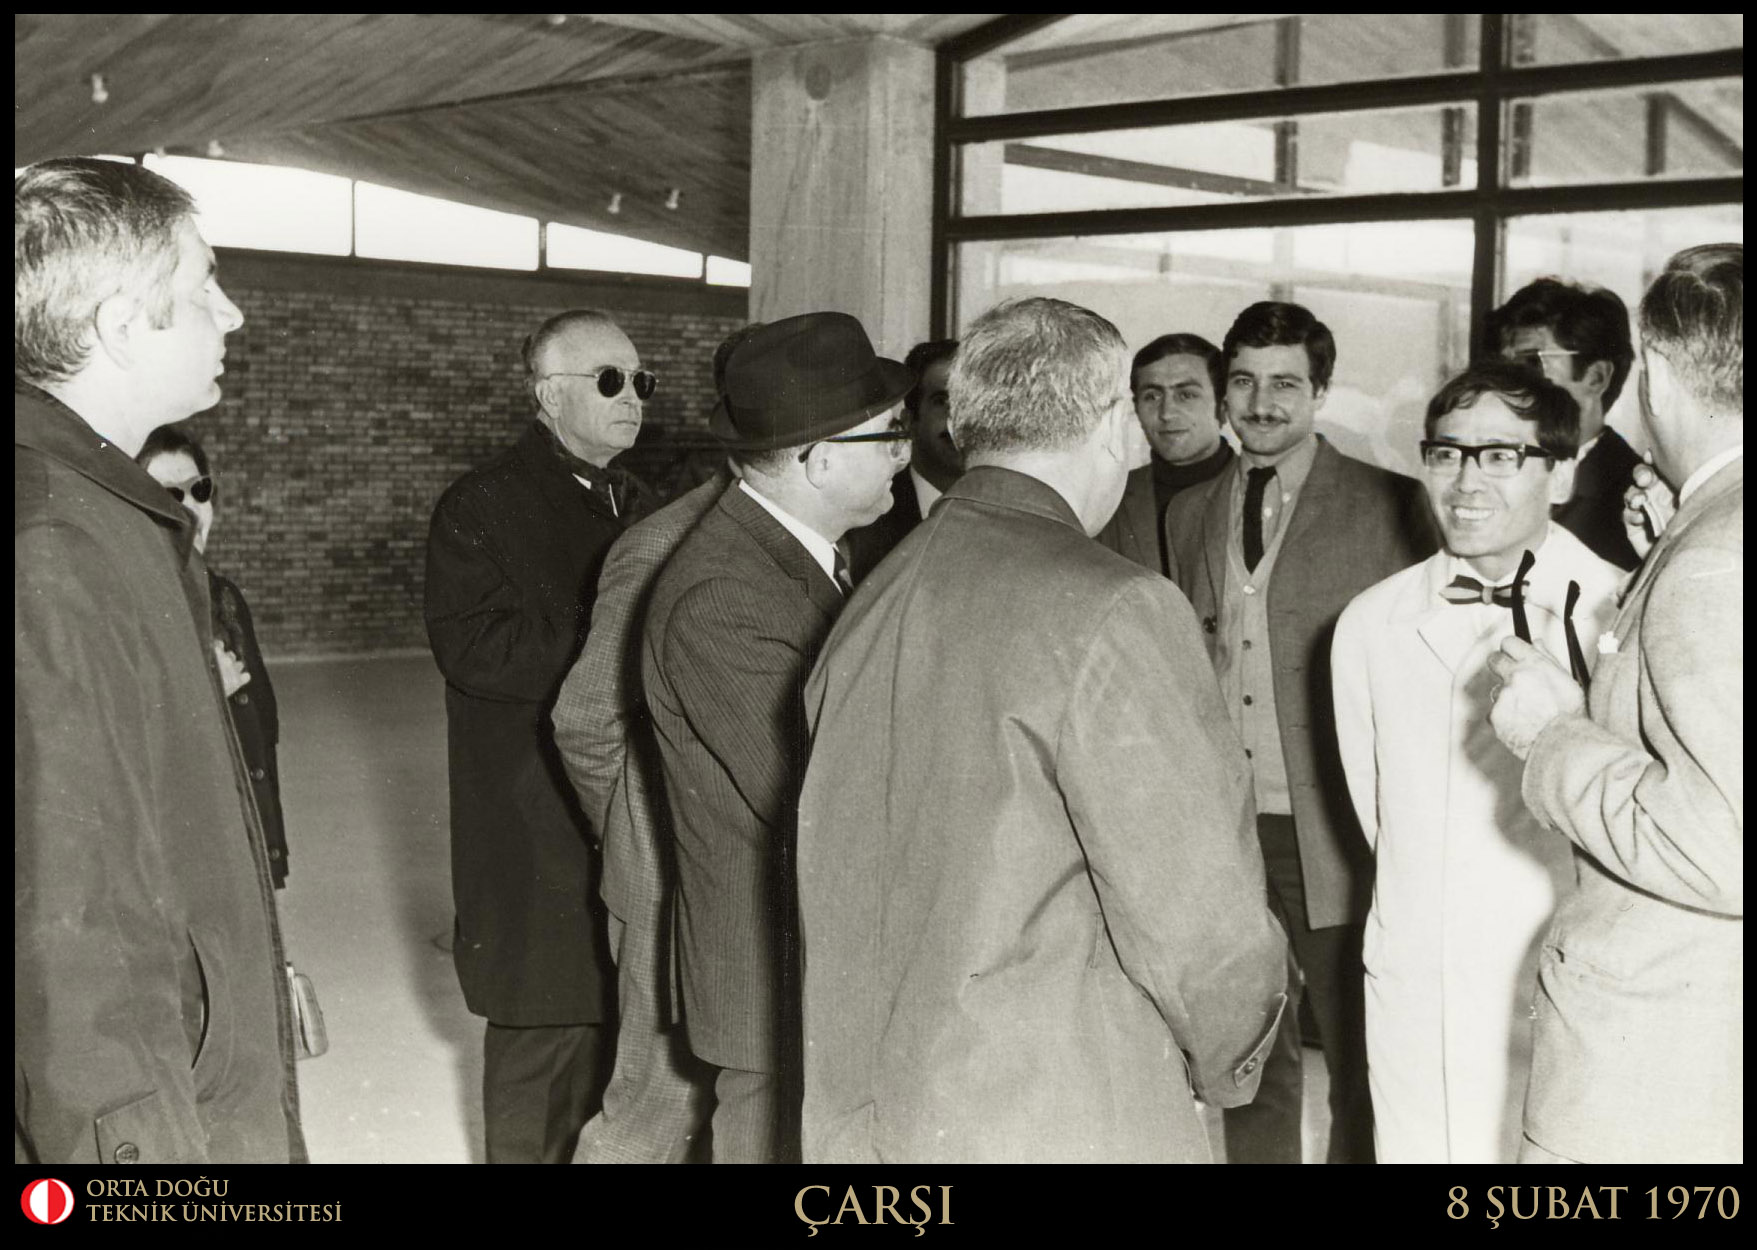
356, 392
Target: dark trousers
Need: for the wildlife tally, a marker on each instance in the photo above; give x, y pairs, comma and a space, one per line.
756, 1119
539, 1086
1328, 961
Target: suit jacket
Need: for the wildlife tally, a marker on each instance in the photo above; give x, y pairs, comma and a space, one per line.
871, 543
1353, 525
735, 622
150, 1012
1466, 880
1639, 1051
605, 733
512, 562
1133, 531
1030, 886
1594, 513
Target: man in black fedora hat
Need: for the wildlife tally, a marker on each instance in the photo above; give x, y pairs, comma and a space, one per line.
809, 415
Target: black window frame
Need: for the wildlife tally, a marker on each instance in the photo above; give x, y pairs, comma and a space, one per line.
1492, 86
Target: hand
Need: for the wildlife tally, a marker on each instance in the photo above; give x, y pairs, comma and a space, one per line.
1648, 507
233, 675
1533, 691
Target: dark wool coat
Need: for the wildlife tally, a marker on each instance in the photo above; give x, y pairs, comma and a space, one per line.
150, 1014
513, 556
255, 716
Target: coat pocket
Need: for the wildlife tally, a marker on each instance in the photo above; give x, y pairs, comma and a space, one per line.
214, 1051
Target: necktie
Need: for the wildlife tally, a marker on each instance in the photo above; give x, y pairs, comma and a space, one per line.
1256, 482
844, 581
1468, 590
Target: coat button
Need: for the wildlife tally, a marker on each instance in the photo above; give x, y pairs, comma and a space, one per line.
243, 697
256, 774
1208, 626
1247, 700
127, 1152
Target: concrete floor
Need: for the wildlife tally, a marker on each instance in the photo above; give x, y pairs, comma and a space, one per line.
367, 914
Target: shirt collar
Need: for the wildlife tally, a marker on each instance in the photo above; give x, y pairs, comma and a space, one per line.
1694, 482
820, 548
926, 493
1291, 470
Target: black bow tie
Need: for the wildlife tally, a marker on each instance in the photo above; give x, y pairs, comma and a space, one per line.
1468, 590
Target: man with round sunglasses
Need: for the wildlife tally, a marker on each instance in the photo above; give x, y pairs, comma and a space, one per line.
513, 557
1465, 880
810, 417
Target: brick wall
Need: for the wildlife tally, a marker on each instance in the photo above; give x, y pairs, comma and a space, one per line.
357, 391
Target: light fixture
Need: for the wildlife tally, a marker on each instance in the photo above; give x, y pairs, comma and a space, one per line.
672, 198
159, 151
615, 203
555, 19
214, 150
100, 92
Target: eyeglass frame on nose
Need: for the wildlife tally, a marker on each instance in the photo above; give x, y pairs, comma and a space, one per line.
1526, 358
1473, 451
622, 378
896, 434
201, 489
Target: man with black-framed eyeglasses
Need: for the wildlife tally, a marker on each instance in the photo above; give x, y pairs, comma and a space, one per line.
1578, 338
809, 417
513, 557
1465, 880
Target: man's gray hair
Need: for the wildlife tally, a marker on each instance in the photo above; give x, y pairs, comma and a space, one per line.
1694, 316
531, 350
1033, 375
85, 230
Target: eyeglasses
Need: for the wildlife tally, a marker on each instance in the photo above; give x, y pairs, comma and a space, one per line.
1535, 359
897, 436
201, 490
611, 379
1494, 459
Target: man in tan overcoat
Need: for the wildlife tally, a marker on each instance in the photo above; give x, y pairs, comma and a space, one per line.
1032, 904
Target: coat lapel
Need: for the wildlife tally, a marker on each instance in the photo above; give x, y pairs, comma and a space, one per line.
1216, 524
1450, 632
784, 549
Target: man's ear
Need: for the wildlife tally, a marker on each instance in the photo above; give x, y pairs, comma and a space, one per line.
1598, 376
116, 325
1319, 395
1562, 480
545, 395
817, 465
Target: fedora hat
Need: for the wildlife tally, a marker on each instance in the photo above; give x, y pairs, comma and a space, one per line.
802, 380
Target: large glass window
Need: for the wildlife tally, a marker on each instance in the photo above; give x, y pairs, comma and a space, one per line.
264, 206
399, 225
1117, 58
570, 247
1357, 153
1338, 160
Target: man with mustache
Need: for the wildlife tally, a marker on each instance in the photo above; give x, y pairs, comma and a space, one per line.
1269, 554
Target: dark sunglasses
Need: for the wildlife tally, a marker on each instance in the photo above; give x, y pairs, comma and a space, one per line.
201, 490
611, 380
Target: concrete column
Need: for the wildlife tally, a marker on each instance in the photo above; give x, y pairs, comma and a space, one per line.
841, 185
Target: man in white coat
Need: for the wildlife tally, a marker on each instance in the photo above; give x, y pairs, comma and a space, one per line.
1465, 879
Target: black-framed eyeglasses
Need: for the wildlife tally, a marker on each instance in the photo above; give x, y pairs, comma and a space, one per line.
611, 381
897, 436
1494, 459
1534, 359
201, 490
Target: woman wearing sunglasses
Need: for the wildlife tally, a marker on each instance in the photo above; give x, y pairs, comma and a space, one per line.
178, 463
